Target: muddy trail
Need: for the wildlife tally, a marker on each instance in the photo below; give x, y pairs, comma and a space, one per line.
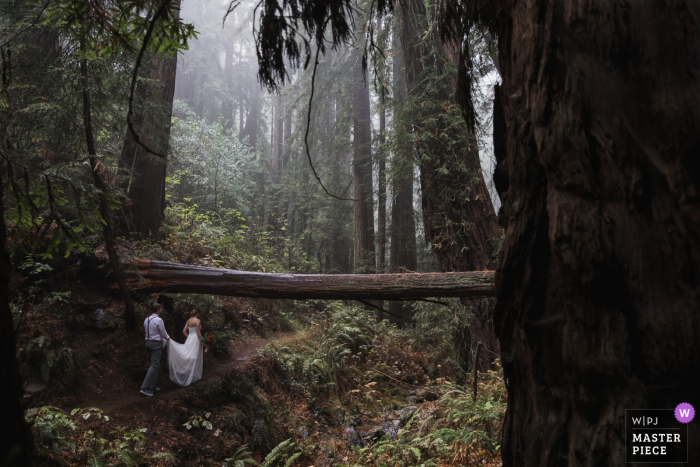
112, 367
118, 398
247, 397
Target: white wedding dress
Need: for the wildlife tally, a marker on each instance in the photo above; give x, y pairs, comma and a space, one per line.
185, 361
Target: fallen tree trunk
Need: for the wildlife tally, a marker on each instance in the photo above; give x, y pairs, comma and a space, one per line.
165, 277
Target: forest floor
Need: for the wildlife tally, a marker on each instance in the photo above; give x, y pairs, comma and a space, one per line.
106, 388
248, 395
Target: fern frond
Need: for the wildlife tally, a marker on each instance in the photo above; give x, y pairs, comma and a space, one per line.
277, 452
292, 459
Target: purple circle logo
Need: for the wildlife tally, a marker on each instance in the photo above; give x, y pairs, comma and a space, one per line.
684, 412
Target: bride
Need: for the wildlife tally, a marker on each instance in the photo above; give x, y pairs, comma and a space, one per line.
185, 361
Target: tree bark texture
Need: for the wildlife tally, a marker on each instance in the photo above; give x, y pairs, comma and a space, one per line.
277, 136
458, 216
381, 201
145, 192
598, 286
251, 122
381, 172
16, 444
228, 104
96, 167
287, 149
365, 261
165, 277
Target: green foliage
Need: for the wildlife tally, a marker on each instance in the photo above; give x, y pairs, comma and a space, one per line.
54, 430
346, 352
469, 423
51, 427
464, 433
52, 204
125, 451
209, 186
280, 451
208, 163
39, 354
442, 330
240, 458
495, 245
199, 422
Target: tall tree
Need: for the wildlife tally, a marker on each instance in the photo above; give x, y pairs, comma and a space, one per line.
597, 144
96, 167
145, 191
403, 225
597, 141
277, 134
227, 105
252, 118
16, 443
365, 261
381, 169
458, 215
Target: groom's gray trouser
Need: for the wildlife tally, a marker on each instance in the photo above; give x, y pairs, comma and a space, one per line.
155, 350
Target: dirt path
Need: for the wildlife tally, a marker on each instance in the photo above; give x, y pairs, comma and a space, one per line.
117, 397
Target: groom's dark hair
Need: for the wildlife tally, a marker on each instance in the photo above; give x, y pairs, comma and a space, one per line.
156, 307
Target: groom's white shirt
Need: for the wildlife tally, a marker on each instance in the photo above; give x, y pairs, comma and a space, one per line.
155, 328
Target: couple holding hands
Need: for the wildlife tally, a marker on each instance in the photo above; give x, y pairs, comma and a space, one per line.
185, 361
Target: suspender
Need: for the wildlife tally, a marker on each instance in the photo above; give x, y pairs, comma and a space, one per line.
148, 328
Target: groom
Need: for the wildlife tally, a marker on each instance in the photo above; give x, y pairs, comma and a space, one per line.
155, 335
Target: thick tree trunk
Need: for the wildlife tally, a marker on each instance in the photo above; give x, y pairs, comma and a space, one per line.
96, 167
381, 201
458, 215
598, 283
381, 174
286, 149
161, 277
251, 121
145, 191
190, 82
241, 116
403, 255
227, 104
16, 444
365, 261
277, 136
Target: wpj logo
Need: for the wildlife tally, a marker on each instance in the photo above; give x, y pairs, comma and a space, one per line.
657, 435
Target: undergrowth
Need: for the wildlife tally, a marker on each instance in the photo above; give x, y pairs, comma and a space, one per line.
460, 431
67, 439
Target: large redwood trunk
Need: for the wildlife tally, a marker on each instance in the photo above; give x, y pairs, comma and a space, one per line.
598, 149
251, 121
227, 105
15, 438
458, 215
145, 191
365, 261
403, 256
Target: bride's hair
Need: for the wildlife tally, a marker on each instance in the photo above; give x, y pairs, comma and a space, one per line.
194, 313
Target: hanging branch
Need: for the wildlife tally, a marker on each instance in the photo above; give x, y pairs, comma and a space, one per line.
306, 135
28, 27
137, 65
129, 313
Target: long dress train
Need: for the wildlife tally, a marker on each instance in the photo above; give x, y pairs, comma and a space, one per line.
185, 361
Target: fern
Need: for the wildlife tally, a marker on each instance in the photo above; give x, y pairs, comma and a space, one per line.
292, 459
123, 456
277, 452
240, 458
